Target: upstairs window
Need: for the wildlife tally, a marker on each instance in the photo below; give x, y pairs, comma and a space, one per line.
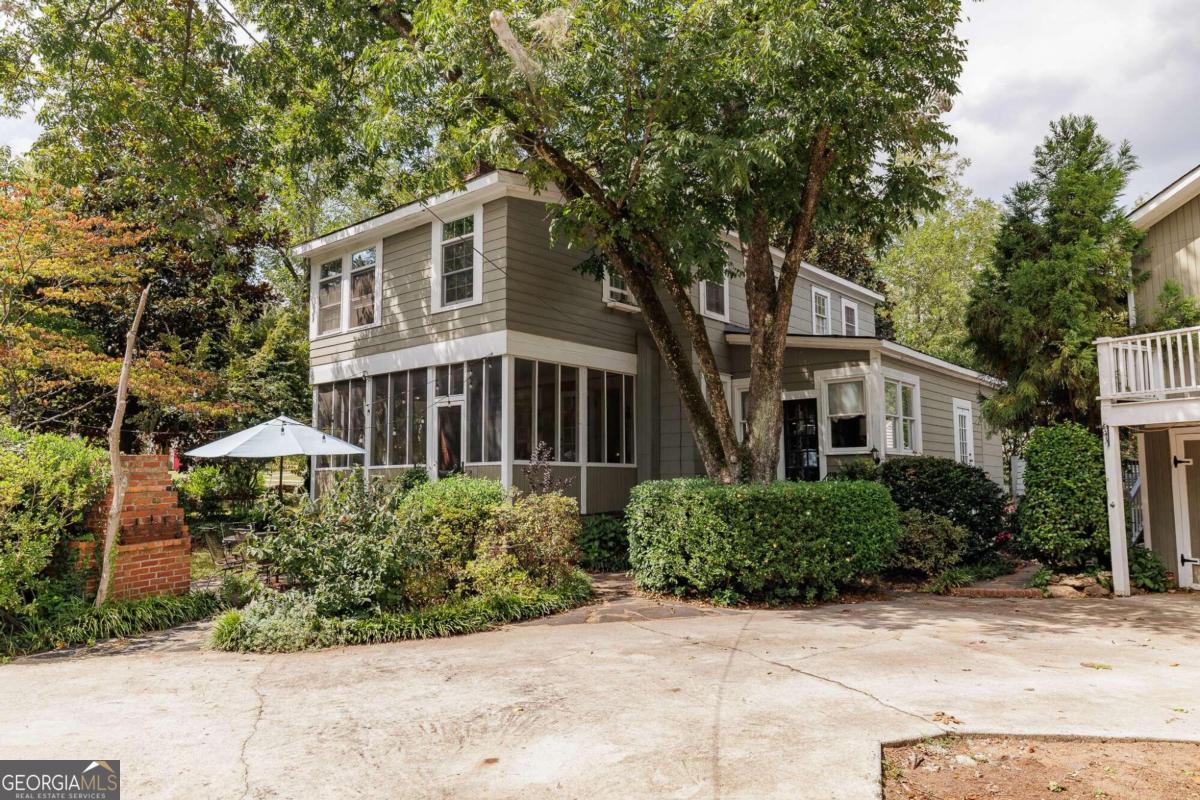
457, 262
820, 312
849, 318
714, 299
362, 288
329, 297
616, 292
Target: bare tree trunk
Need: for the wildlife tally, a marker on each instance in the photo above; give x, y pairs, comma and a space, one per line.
120, 478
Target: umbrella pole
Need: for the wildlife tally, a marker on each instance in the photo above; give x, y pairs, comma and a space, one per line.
281, 479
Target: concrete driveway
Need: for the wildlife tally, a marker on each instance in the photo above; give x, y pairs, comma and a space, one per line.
626, 700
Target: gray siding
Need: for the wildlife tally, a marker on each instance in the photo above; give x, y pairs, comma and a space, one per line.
608, 488
407, 320
1174, 255
566, 477
548, 297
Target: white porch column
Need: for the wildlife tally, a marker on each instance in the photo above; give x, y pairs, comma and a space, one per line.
877, 408
507, 409
1116, 510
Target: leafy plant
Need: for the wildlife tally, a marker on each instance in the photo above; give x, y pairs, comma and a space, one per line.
541, 534
778, 542
1040, 579
1063, 518
856, 469
928, 544
963, 494
1146, 570
239, 588
604, 543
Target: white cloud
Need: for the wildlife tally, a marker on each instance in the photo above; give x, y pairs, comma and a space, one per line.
1133, 66
18, 133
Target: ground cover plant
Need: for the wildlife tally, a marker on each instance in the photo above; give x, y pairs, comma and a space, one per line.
383, 561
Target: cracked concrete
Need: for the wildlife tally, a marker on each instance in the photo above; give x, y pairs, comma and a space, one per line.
687, 705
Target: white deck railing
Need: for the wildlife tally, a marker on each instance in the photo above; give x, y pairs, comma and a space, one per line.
1152, 366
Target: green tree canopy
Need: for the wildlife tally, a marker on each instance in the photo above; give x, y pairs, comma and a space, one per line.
1059, 279
931, 267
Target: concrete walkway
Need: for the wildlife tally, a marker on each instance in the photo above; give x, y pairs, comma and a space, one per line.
743, 704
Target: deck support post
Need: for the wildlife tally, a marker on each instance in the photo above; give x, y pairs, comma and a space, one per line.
1118, 541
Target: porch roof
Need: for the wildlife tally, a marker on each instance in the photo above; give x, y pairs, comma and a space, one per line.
740, 336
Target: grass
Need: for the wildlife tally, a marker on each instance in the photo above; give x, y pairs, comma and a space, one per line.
248, 631
202, 565
84, 624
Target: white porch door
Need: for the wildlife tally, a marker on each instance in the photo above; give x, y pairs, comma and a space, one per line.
1185, 458
964, 432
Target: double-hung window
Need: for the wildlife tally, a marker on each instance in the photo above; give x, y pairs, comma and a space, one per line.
347, 291
457, 262
902, 432
849, 318
820, 312
714, 299
846, 409
616, 292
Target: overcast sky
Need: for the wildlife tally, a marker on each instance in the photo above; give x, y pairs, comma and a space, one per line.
1135, 66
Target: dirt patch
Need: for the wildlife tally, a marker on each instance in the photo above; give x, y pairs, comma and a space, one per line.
1015, 768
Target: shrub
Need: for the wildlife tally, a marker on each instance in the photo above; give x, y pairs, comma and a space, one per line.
858, 469
441, 523
604, 543
199, 490
225, 486
342, 548
47, 484
276, 622
238, 588
1146, 570
541, 534
929, 543
1063, 517
778, 542
963, 494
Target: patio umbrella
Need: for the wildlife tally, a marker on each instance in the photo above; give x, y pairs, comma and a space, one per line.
282, 436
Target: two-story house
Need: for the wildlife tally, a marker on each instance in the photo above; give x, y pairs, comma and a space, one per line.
452, 333
1150, 386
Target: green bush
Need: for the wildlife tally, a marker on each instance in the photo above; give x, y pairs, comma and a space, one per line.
604, 543
929, 543
858, 469
346, 549
1146, 570
239, 588
541, 534
199, 491
221, 488
1064, 521
288, 622
440, 524
778, 542
80, 623
47, 484
963, 494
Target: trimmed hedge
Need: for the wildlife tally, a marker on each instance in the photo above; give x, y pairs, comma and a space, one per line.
963, 494
929, 544
775, 542
1064, 520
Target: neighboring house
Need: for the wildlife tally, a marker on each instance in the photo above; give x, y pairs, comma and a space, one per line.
451, 333
1150, 385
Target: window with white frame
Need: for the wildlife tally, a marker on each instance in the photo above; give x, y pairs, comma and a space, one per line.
849, 318
457, 274
714, 299
347, 291
546, 410
610, 417
820, 312
902, 429
846, 412
964, 432
616, 292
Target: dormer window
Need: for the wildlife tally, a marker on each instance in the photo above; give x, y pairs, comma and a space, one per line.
458, 261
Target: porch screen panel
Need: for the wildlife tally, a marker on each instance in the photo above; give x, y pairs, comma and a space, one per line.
418, 394
595, 415
379, 419
568, 425
325, 395
614, 441
547, 409
494, 382
398, 452
474, 391
357, 417
523, 409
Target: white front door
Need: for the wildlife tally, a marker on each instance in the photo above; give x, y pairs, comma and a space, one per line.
1185, 478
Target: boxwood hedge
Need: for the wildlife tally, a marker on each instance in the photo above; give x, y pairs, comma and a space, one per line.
777, 542
963, 494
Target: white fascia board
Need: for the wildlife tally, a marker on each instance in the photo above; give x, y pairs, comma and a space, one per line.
1150, 413
897, 350
483, 189
1169, 199
468, 348
814, 272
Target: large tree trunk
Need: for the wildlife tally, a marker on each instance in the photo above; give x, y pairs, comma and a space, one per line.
120, 478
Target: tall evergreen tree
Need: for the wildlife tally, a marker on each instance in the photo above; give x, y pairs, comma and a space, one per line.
1058, 280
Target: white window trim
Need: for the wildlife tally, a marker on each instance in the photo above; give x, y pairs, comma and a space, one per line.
704, 301
314, 280
958, 405
476, 263
822, 379
617, 305
819, 292
847, 303
890, 374
583, 432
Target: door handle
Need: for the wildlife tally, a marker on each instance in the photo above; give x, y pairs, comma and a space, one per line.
1184, 560
1181, 462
